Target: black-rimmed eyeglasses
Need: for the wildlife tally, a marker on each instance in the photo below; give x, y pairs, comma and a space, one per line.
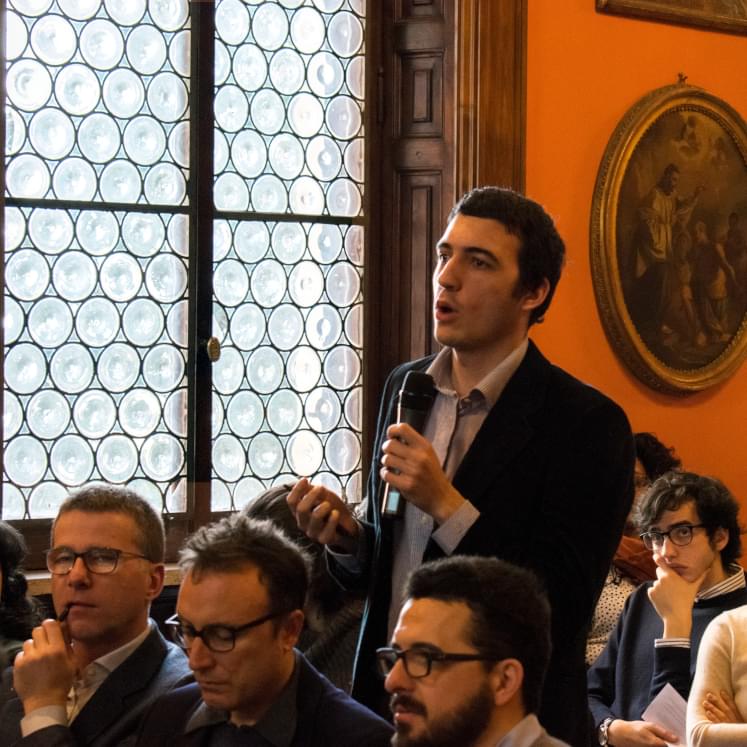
218, 638
680, 535
418, 661
102, 560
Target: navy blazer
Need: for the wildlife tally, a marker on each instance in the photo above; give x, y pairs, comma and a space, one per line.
327, 717
551, 472
112, 716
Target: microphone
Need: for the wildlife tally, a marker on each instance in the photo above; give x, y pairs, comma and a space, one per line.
413, 404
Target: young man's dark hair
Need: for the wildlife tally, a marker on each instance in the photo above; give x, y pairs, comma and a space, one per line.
541, 251
18, 614
655, 457
714, 503
510, 612
237, 541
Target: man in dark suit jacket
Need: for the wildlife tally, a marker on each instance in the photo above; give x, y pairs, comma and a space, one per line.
107, 565
239, 616
518, 459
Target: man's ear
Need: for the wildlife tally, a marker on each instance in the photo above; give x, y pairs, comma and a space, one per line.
506, 679
720, 538
531, 299
156, 578
291, 628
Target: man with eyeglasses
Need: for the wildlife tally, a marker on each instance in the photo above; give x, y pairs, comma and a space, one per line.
690, 523
468, 656
86, 678
238, 616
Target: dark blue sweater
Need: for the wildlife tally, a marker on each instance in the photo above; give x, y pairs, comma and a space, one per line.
631, 671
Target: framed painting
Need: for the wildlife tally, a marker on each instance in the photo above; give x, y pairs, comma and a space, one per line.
717, 15
669, 239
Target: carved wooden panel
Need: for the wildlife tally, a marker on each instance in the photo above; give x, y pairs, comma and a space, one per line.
422, 109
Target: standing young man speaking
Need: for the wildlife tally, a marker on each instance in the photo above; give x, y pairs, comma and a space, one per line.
518, 459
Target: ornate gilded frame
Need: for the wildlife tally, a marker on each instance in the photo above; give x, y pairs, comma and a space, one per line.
672, 310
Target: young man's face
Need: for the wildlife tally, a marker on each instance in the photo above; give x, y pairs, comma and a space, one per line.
477, 308
452, 705
702, 555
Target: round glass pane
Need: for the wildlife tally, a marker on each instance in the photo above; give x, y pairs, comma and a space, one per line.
264, 369
325, 243
270, 26
165, 185
285, 327
125, 12
220, 496
50, 322
328, 6
303, 369
306, 196
356, 78
98, 137
288, 242
343, 451
14, 505
322, 409
287, 71
27, 176
176, 323
268, 283
144, 140
343, 117
323, 326
342, 367
16, 35
97, 231
216, 416
15, 131
139, 413
354, 159
94, 413
80, 10
222, 63
230, 193
25, 461
324, 158
123, 93
249, 67
354, 326
179, 53
71, 460
305, 453
166, 278
268, 111
32, 7
143, 233
118, 367
265, 455
51, 230
269, 195
162, 457
246, 490
325, 74
229, 458
343, 284
228, 371
284, 412
344, 198
231, 108
247, 326
120, 182
354, 409
176, 496
121, 277
116, 459
25, 368
167, 97
101, 44
15, 228
251, 241
354, 245
221, 239
286, 156
179, 144
305, 115
345, 34
178, 233
220, 152
245, 414
74, 179
249, 153
27, 274
168, 15
77, 89
74, 276
142, 322
232, 21
230, 282
146, 49
149, 491
97, 322
28, 84
307, 30
13, 322
163, 368
53, 39
306, 284
45, 500
220, 322
175, 413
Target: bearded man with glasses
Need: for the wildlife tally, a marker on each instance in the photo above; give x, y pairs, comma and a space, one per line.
690, 523
238, 616
87, 678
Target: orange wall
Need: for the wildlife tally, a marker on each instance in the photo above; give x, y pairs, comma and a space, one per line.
585, 70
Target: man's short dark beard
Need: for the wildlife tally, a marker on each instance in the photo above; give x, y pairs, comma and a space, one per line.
460, 728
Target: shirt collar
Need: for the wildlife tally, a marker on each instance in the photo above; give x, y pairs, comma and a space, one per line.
114, 658
277, 726
524, 734
734, 581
